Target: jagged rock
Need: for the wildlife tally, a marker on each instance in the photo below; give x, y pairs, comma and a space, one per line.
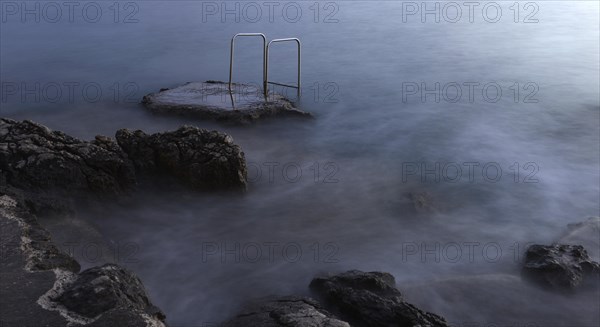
502, 300
34, 158
370, 299
286, 311
205, 160
212, 100
101, 289
585, 233
34, 241
560, 266
35, 271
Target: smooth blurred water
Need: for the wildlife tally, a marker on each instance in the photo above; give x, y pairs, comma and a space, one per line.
355, 214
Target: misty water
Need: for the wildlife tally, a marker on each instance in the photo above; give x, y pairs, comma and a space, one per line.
344, 200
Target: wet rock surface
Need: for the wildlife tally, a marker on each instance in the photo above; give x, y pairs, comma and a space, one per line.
101, 289
585, 233
370, 299
205, 160
34, 272
560, 266
34, 158
473, 301
212, 100
285, 311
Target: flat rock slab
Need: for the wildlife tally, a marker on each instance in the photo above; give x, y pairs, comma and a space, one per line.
212, 100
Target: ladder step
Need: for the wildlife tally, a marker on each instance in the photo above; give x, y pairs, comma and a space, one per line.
266, 47
282, 84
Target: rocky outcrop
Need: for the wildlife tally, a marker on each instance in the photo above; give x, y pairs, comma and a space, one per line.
100, 290
212, 100
40, 285
560, 266
34, 158
285, 312
205, 160
585, 233
370, 299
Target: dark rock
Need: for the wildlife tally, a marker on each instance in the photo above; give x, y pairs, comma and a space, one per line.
422, 202
286, 311
370, 299
585, 233
559, 266
205, 160
212, 100
34, 158
34, 241
101, 289
36, 274
502, 300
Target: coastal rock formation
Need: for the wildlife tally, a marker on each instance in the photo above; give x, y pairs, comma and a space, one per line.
288, 311
34, 158
585, 233
370, 299
560, 266
205, 160
99, 290
466, 298
42, 169
212, 100
40, 284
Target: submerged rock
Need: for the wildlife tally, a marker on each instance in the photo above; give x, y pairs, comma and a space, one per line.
100, 290
34, 158
212, 100
370, 299
205, 160
289, 311
560, 266
422, 202
502, 300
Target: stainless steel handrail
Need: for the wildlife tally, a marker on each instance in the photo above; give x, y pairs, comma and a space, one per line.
264, 58
267, 65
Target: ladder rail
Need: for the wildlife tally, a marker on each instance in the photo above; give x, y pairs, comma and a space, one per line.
266, 82
232, 47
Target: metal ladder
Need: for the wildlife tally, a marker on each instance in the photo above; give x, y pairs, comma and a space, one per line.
266, 47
